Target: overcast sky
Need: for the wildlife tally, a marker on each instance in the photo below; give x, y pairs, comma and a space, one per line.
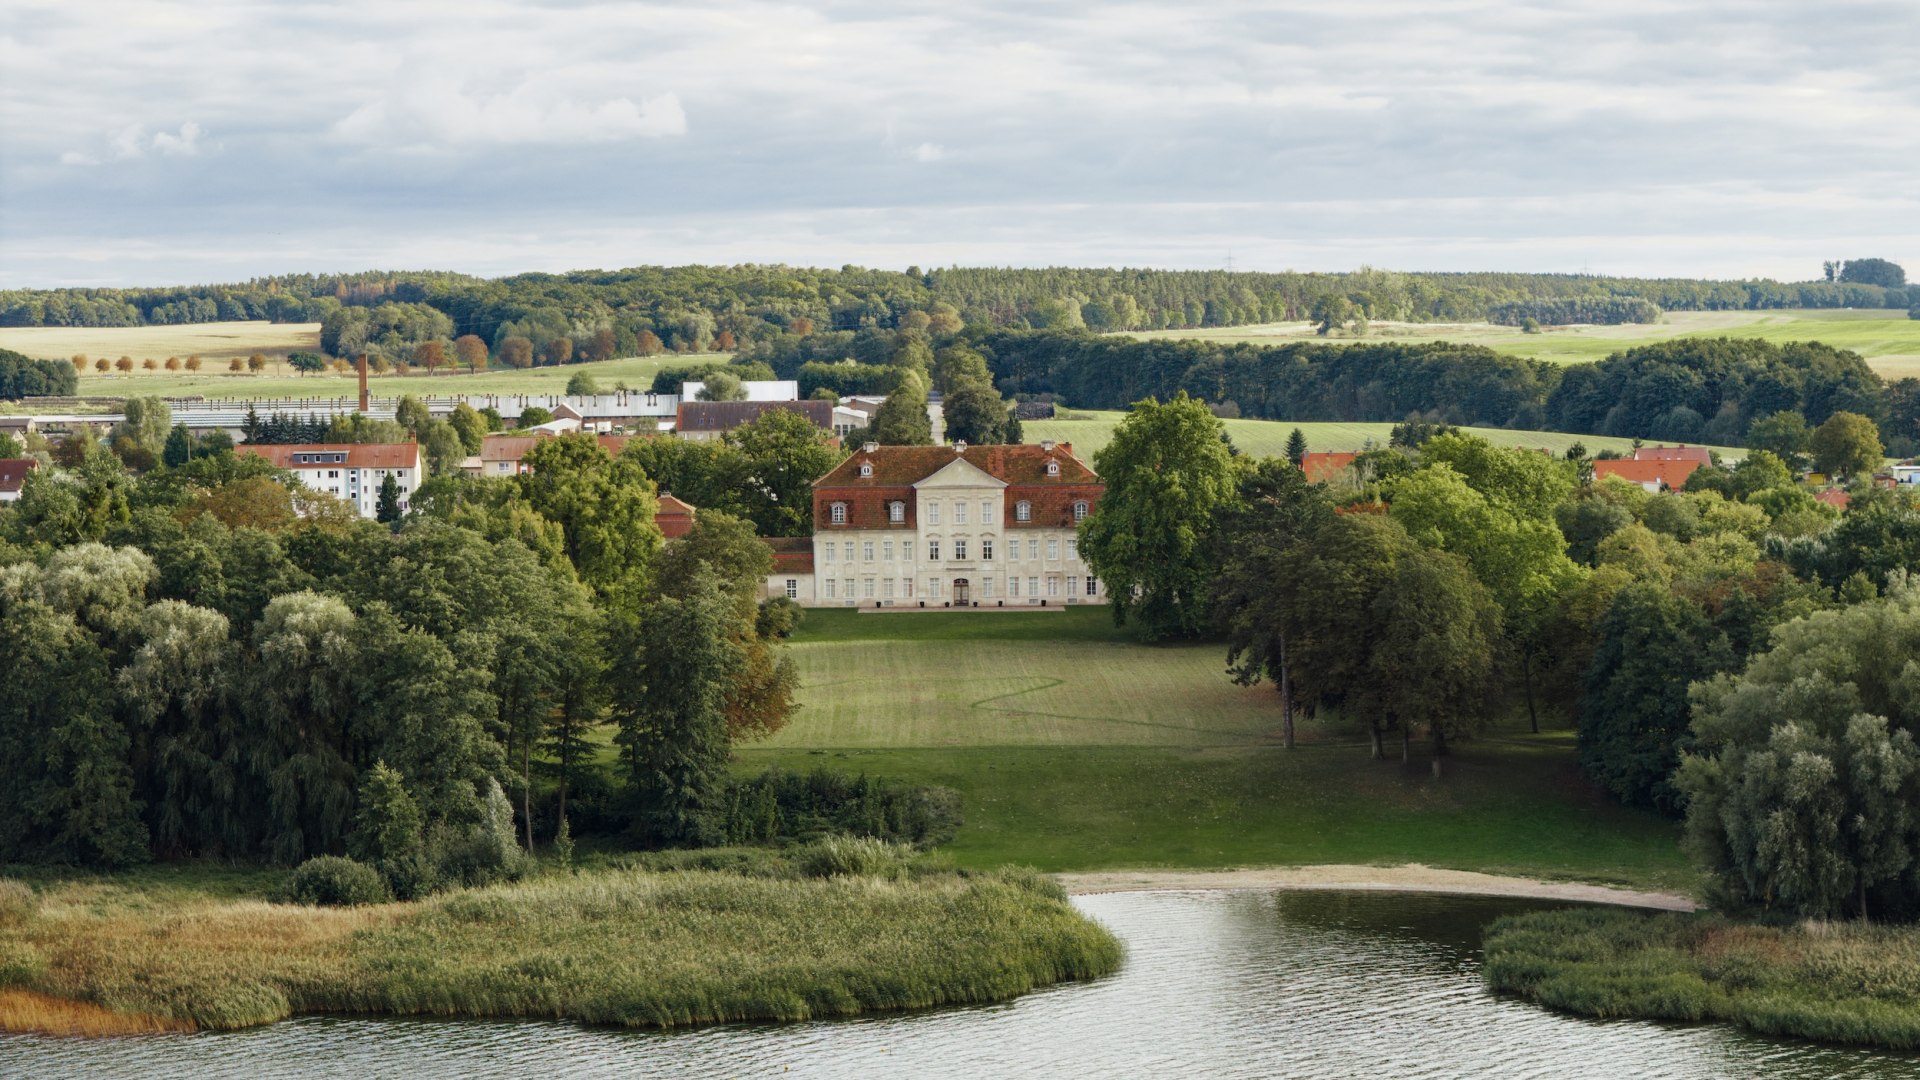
154, 142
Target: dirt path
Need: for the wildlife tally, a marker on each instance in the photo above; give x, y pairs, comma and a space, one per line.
1409, 878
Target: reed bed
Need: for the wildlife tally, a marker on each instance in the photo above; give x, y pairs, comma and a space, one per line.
1846, 983
627, 947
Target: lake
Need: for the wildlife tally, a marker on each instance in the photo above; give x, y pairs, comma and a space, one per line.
1233, 984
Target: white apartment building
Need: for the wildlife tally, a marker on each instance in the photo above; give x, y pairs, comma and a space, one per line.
350, 471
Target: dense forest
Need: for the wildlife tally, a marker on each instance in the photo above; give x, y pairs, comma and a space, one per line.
1690, 389
697, 307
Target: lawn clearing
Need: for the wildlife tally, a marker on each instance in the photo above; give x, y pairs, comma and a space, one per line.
1888, 340
1075, 747
1268, 438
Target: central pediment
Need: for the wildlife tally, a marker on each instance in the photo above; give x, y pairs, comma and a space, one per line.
960, 473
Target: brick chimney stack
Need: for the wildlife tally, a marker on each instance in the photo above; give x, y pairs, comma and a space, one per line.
364, 403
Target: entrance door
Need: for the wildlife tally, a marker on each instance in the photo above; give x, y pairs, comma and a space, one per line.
962, 592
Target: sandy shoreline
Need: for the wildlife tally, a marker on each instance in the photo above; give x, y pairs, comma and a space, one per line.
1408, 878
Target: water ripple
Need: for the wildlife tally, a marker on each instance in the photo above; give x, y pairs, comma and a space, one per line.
1243, 984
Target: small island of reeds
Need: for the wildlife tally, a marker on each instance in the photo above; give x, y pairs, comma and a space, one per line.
762, 939
1837, 982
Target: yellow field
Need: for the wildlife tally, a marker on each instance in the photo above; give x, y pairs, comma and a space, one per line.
217, 343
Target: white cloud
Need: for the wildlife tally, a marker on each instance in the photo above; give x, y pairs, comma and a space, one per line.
185, 144
132, 142
438, 114
928, 151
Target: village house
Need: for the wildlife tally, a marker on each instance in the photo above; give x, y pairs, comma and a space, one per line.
1326, 465
13, 476
1669, 473
945, 526
500, 455
350, 471
1673, 453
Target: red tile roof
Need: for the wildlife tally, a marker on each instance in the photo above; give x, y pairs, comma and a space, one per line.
1325, 465
1673, 453
791, 554
727, 415
359, 455
1670, 472
675, 517
13, 472
894, 466
1835, 498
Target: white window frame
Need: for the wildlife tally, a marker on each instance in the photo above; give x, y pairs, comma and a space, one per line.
1023, 511
933, 513
793, 588
1080, 510
1013, 585
830, 595
838, 515
960, 551
896, 512
933, 551
959, 512
986, 550
1053, 550
866, 551
886, 550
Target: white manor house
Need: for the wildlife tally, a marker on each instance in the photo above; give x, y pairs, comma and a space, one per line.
944, 526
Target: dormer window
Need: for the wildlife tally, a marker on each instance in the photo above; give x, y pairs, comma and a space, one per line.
839, 513
1053, 468
1080, 511
866, 469
896, 512
1023, 511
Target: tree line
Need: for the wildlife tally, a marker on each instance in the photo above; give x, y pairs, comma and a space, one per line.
1723, 651
693, 308
202, 660
22, 377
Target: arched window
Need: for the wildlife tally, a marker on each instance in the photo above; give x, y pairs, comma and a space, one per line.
839, 513
1080, 511
896, 512
1023, 511
866, 469
1053, 468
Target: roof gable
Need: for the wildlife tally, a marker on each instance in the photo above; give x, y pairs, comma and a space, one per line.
960, 473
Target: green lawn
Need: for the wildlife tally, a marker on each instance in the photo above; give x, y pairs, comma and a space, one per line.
1077, 748
1888, 339
1268, 438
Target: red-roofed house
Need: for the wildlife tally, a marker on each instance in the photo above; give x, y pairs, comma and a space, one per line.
707, 421
675, 518
947, 526
13, 476
1673, 453
351, 471
1325, 466
500, 454
1835, 498
1653, 475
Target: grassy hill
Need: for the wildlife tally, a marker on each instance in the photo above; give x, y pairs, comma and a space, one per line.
1089, 431
1887, 339
1075, 747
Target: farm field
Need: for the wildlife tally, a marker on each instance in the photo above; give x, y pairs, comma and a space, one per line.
1888, 340
1268, 438
216, 343
1075, 747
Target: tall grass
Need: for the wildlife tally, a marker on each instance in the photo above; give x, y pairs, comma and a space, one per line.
621, 946
1832, 982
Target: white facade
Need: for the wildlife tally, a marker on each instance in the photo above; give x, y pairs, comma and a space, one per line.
961, 551
351, 472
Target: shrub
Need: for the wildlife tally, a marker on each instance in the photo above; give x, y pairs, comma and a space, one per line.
334, 881
851, 856
780, 805
779, 617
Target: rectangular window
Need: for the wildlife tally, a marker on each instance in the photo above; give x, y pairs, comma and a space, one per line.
1093, 586
1073, 585
1033, 586
886, 551
906, 551
1013, 586
933, 588
986, 550
793, 589
933, 551
829, 588
839, 513
959, 513
831, 547
866, 588
887, 588
986, 511
960, 550
1033, 550
1053, 549
986, 587
933, 513
909, 584
1053, 585
849, 583
866, 551
1073, 547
